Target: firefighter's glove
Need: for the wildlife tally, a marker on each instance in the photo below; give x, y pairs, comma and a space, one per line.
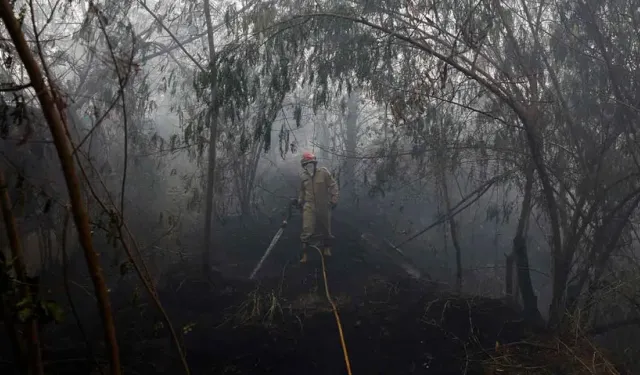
295, 202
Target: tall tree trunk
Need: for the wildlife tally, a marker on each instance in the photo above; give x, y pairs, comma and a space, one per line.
32, 362
453, 225
442, 161
560, 273
529, 299
351, 142
246, 173
64, 149
253, 171
212, 119
532, 125
325, 141
508, 279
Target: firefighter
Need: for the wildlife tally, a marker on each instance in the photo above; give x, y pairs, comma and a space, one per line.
318, 196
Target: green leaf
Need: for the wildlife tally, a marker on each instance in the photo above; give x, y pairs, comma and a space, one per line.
26, 302
53, 310
25, 314
188, 327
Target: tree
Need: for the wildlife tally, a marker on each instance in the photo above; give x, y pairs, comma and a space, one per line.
212, 120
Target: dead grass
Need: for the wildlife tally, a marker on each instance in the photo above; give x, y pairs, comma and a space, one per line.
259, 308
268, 309
549, 355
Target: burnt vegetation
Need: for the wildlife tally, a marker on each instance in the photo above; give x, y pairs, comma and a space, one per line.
486, 153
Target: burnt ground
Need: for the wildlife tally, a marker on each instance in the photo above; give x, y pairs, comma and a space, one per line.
282, 323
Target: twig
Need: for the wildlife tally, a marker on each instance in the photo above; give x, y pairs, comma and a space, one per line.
576, 357
11, 88
165, 28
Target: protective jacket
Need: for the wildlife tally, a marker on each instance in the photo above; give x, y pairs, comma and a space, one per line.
318, 193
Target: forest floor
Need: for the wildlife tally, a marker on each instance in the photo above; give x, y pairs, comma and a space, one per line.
282, 323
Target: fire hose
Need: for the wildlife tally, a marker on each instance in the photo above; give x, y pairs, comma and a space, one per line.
334, 308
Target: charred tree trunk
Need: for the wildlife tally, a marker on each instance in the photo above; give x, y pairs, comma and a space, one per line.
325, 141
529, 299
453, 225
453, 231
246, 178
65, 153
212, 119
253, 171
351, 142
508, 279
559, 285
531, 119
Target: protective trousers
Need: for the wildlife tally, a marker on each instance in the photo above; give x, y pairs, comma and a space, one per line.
316, 224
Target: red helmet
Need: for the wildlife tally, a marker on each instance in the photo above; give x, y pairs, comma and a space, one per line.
308, 157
